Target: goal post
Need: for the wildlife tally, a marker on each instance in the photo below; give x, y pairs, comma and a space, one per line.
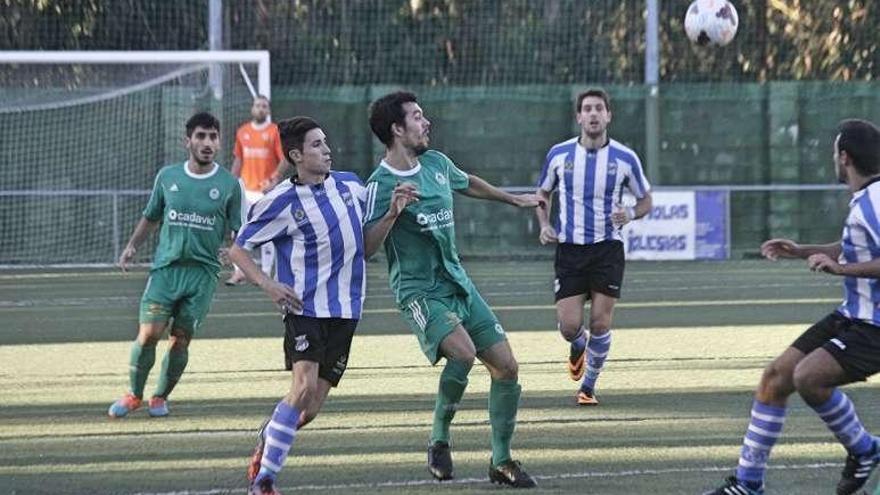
258, 57
83, 133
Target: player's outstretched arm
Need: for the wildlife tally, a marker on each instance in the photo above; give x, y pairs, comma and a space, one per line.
786, 248
480, 189
281, 294
376, 232
142, 230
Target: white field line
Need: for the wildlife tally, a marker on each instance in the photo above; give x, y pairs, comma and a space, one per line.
467, 481
533, 307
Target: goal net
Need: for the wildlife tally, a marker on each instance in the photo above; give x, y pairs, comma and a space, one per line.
84, 133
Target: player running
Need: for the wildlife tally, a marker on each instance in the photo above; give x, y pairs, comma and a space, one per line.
591, 173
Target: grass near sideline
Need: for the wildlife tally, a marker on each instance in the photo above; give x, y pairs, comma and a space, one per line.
689, 346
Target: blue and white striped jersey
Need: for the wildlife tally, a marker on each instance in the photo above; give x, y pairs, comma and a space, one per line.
590, 184
860, 243
319, 242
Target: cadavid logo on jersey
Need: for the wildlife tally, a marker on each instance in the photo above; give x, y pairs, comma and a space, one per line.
191, 220
439, 219
214, 193
441, 179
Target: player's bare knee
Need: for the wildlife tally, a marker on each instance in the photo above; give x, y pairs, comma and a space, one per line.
508, 370
569, 328
178, 342
803, 378
149, 335
463, 352
303, 392
777, 383
600, 324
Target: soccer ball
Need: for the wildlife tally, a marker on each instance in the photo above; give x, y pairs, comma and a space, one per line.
711, 22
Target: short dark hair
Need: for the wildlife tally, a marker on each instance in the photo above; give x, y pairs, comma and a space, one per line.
293, 132
861, 141
262, 97
388, 110
202, 119
598, 93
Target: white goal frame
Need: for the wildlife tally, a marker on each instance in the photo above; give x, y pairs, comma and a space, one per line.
210, 59
259, 57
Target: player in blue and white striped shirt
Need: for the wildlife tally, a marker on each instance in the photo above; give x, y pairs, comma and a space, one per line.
315, 222
590, 172
843, 347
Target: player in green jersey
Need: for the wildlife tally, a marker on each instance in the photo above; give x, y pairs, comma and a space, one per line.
434, 293
196, 203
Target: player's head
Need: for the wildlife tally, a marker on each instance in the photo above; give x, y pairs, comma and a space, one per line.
397, 119
202, 137
593, 112
857, 148
305, 145
260, 109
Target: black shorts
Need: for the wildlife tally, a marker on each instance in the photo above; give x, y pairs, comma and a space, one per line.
581, 269
853, 343
326, 341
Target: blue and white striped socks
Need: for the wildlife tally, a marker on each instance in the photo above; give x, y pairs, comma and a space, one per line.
839, 415
764, 429
579, 342
597, 352
280, 434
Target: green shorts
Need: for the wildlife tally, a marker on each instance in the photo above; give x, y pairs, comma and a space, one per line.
180, 291
431, 319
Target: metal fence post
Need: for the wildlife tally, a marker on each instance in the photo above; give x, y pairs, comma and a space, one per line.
652, 85
116, 228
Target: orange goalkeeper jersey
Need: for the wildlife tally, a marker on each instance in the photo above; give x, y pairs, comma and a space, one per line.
259, 149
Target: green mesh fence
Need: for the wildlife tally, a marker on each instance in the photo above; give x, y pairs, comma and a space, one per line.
496, 78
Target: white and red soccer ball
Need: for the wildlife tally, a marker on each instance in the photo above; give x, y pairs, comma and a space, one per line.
711, 22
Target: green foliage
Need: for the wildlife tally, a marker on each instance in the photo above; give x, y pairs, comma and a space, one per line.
458, 42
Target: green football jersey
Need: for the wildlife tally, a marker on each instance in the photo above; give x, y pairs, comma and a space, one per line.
422, 257
196, 211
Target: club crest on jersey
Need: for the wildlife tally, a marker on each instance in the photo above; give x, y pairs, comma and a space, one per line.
302, 343
499, 329
568, 165
441, 179
173, 188
299, 215
214, 193
346, 198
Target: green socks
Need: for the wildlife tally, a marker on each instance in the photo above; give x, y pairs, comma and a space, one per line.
140, 363
453, 381
503, 404
172, 368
